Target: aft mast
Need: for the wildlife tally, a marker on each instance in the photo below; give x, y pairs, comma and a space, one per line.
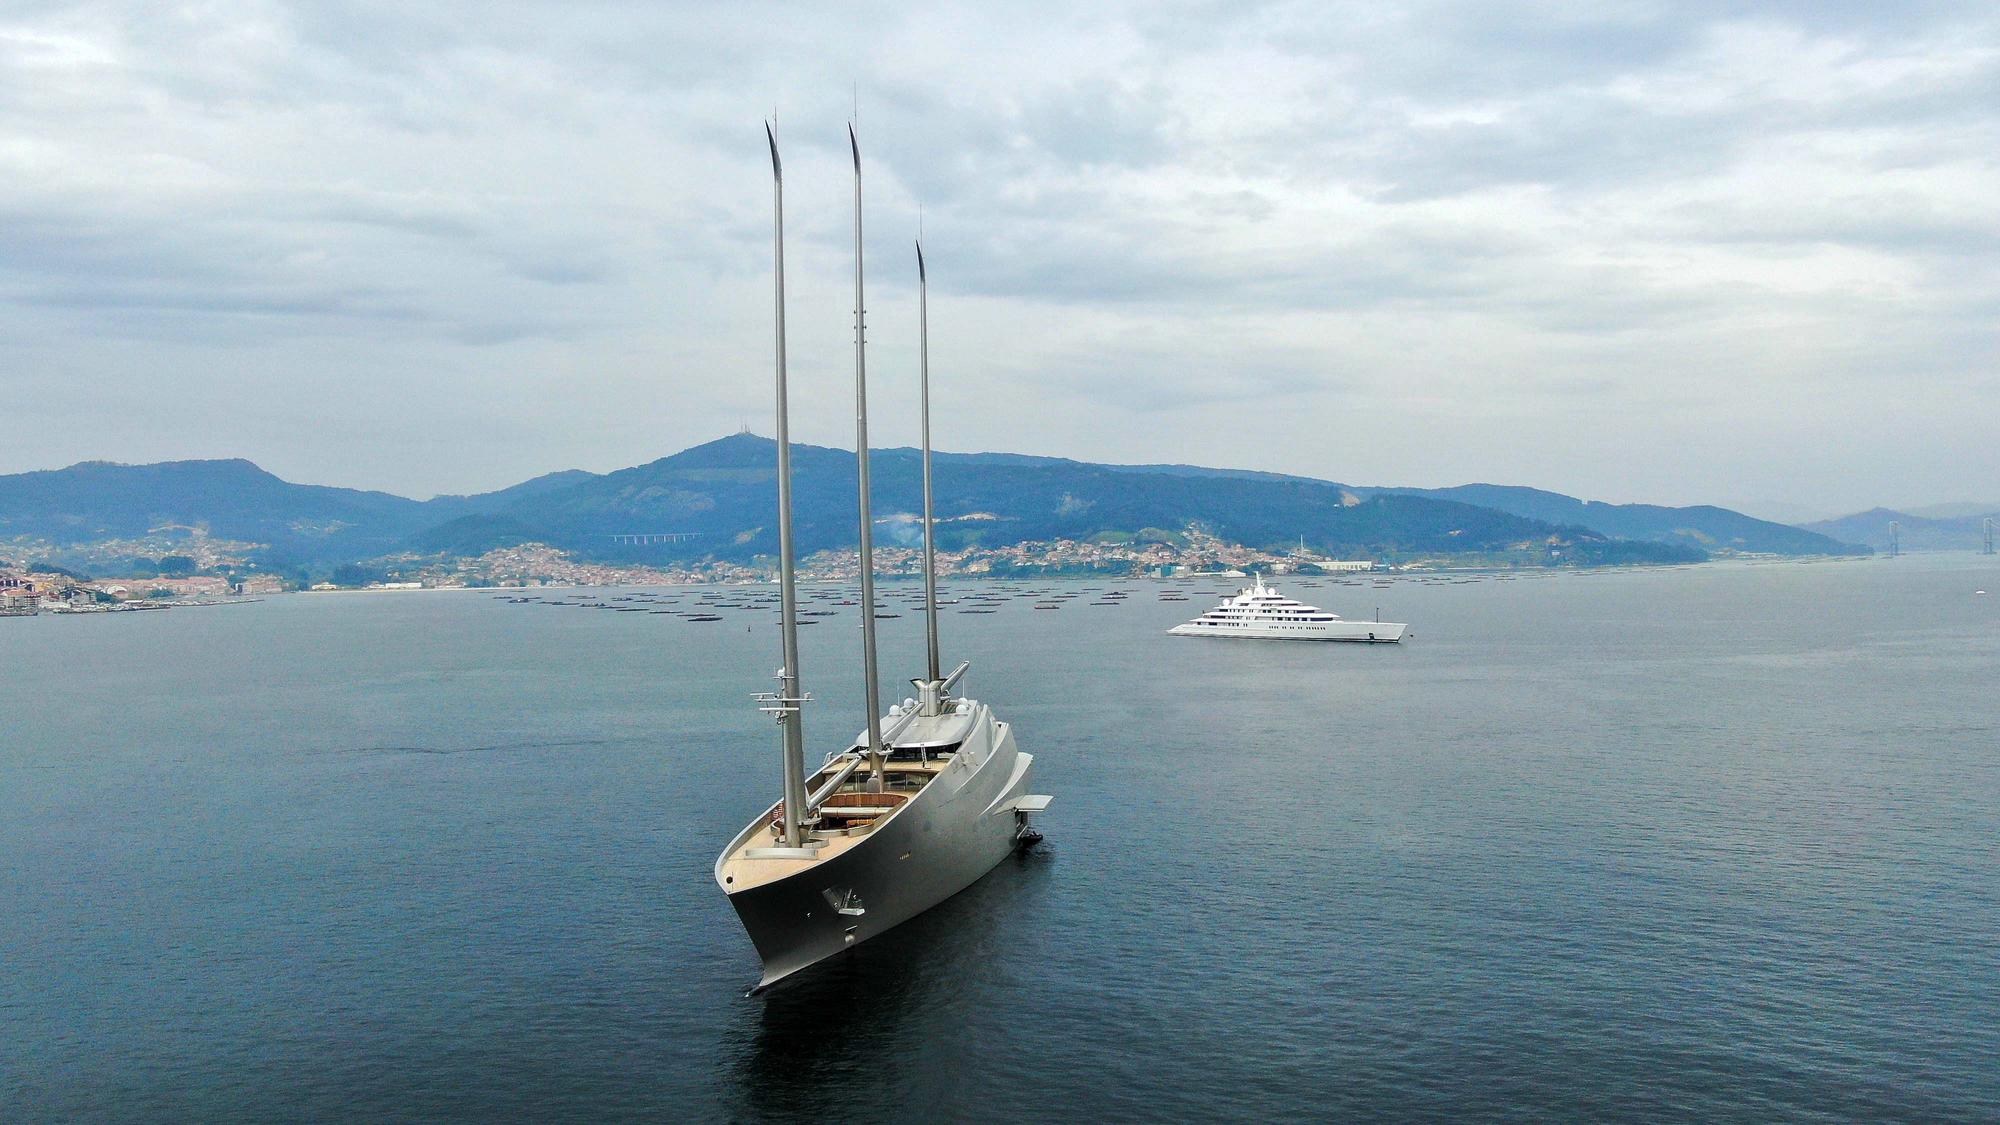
924, 392
876, 753
933, 690
786, 702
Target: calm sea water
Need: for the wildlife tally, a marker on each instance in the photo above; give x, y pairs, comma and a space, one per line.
1704, 844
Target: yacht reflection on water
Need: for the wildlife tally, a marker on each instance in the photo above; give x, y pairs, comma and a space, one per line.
905, 982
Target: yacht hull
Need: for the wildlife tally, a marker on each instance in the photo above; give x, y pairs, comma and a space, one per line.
942, 841
1362, 632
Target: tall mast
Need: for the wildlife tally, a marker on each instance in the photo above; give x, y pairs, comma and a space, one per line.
787, 705
924, 388
874, 692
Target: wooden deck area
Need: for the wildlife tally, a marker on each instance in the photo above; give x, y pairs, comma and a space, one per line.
742, 872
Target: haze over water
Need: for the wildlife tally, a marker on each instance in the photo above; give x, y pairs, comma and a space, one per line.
1700, 844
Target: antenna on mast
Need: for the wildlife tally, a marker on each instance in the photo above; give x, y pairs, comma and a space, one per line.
876, 752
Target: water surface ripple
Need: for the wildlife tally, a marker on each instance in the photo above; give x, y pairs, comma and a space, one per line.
1711, 844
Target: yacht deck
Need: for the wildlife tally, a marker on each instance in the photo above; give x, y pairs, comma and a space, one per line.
742, 871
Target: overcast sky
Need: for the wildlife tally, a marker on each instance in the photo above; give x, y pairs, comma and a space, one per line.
1676, 252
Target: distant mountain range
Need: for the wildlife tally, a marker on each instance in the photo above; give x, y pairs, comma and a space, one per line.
1963, 531
716, 499
97, 501
1704, 526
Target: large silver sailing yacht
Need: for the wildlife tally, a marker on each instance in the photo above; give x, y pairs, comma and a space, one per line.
929, 797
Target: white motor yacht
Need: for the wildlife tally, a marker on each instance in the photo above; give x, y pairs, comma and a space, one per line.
1261, 613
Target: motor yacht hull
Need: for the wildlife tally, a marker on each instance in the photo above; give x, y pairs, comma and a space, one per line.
962, 824
1363, 632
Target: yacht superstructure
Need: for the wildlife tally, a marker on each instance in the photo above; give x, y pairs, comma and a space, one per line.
925, 800
1261, 613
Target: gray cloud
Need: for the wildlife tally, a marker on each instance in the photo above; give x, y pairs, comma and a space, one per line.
1559, 244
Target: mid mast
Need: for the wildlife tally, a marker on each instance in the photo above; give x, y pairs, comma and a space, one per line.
873, 699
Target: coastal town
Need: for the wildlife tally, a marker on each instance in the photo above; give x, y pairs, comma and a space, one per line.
32, 586
27, 592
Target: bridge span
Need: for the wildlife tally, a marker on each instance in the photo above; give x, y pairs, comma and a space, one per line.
648, 538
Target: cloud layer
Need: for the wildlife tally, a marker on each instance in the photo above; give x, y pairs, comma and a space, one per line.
1671, 252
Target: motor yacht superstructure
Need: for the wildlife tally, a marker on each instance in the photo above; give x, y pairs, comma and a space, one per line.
1260, 613
924, 801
